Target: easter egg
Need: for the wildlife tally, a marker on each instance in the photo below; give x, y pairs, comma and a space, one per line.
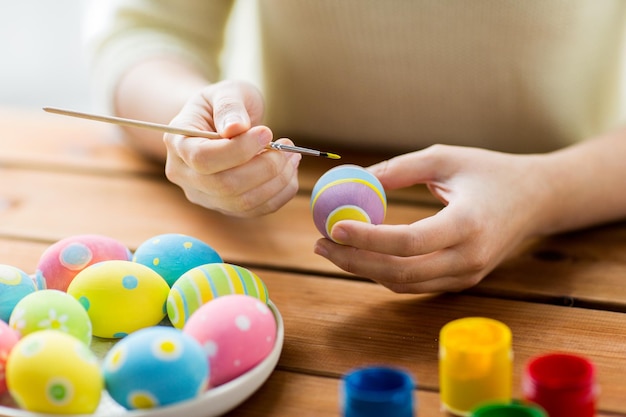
155, 366
171, 255
206, 282
8, 339
51, 309
15, 284
60, 262
236, 332
52, 372
347, 192
120, 297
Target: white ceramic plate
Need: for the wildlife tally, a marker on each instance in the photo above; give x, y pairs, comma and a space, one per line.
214, 402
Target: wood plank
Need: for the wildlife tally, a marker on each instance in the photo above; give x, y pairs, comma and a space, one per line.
333, 325
35, 138
38, 139
330, 321
135, 209
584, 268
21, 254
288, 394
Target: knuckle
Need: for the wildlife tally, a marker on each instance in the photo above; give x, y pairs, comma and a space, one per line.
415, 242
348, 262
246, 203
171, 173
226, 105
478, 260
272, 166
195, 160
225, 185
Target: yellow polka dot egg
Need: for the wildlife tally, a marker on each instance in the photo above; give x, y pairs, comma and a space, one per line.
120, 297
53, 372
207, 282
173, 254
154, 367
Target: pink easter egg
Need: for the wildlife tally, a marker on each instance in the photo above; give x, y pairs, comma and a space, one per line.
8, 339
61, 261
236, 332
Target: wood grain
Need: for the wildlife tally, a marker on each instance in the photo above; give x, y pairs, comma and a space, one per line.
143, 207
563, 293
585, 268
332, 325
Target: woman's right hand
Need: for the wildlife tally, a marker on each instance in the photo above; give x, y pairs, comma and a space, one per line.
236, 175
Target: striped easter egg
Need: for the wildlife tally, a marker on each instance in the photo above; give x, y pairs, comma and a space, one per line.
347, 192
204, 283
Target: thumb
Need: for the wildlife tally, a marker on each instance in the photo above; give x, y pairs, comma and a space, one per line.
229, 111
420, 167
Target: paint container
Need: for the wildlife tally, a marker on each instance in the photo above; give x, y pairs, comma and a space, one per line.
475, 364
377, 391
562, 383
509, 410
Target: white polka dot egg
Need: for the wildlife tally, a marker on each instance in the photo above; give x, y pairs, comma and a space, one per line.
236, 332
120, 297
154, 367
173, 254
51, 310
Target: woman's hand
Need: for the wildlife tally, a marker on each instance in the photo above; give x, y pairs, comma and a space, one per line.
492, 202
235, 175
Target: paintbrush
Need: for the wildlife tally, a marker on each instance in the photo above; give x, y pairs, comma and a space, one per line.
180, 131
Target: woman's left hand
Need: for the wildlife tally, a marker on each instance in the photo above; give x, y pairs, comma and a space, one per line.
492, 200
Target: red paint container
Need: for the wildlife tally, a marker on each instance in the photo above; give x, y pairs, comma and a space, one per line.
563, 384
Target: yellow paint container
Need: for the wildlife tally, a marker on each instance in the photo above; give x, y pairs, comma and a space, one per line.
475, 364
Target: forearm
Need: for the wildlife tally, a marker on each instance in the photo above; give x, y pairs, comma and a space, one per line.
154, 90
584, 184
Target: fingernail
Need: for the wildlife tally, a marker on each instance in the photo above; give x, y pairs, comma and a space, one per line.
339, 234
320, 250
265, 137
295, 159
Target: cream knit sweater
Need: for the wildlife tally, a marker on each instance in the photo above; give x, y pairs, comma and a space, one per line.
399, 75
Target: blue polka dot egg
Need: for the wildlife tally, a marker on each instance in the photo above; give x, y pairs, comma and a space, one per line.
207, 282
120, 297
154, 367
15, 284
172, 254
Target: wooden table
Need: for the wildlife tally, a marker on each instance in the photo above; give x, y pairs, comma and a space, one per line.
61, 176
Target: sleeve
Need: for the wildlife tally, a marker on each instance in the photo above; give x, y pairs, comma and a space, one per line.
121, 33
